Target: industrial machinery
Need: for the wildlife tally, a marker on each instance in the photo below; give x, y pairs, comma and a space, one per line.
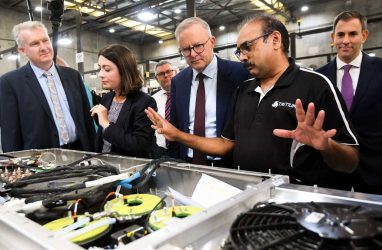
131, 203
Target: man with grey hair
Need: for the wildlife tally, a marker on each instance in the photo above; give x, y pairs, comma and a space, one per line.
164, 72
287, 119
201, 93
43, 105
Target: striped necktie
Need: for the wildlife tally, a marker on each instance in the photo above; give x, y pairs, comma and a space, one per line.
168, 113
62, 128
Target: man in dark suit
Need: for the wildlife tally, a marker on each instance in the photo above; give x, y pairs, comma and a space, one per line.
220, 79
43, 105
365, 102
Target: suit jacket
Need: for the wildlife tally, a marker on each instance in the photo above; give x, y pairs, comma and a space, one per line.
25, 116
230, 75
131, 134
366, 115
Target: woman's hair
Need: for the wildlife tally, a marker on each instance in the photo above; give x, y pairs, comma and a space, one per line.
123, 57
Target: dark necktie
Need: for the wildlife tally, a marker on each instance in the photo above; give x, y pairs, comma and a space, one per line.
347, 86
168, 112
200, 120
62, 128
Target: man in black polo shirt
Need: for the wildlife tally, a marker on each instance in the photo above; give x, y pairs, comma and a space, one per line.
268, 127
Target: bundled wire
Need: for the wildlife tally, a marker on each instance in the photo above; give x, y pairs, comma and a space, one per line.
142, 177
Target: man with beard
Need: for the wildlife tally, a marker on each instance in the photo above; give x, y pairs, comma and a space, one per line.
268, 127
363, 95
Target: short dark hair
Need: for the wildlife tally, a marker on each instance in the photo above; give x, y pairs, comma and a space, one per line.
123, 57
269, 25
350, 14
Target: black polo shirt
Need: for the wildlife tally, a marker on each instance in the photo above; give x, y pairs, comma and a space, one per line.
251, 123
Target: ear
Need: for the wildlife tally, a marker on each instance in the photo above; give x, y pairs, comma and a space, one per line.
21, 50
213, 40
276, 40
365, 34
332, 38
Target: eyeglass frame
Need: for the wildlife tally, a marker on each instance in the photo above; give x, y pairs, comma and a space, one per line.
168, 72
181, 51
248, 45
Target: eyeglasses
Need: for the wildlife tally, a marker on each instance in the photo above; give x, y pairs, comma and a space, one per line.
245, 47
168, 72
198, 48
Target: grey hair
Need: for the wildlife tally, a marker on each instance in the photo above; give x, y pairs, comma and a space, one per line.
161, 63
28, 25
186, 23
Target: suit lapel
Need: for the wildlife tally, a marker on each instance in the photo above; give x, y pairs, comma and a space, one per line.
35, 87
186, 101
68, 92
332, 72
367, 71
222, 93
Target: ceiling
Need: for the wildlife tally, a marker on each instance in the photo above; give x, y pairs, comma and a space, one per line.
122, 15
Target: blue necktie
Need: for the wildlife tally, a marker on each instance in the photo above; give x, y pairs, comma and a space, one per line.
347, 86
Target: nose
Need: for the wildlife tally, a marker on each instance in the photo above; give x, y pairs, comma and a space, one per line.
346, 39
243, 57
193, 53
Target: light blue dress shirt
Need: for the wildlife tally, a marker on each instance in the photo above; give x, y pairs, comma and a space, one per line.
61, 96
210, 86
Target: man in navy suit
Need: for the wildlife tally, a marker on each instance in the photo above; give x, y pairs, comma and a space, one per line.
349, 34
33, 118
221, 78
267, 128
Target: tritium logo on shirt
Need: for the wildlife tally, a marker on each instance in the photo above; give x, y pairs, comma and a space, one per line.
278, 104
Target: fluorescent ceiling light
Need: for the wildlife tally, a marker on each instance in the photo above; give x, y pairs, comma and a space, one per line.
177, 11
111, 30
221, 27
64, 41
146, 16
160, 41
94, 10
38, 8
13, 57
304, 8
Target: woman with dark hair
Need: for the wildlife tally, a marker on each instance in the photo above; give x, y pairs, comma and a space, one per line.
124, 126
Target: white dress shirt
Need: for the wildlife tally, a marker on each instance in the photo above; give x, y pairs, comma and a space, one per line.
161, 98
354, 71
210, 86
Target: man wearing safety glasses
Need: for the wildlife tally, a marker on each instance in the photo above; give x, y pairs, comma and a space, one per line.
201, 93
288, 119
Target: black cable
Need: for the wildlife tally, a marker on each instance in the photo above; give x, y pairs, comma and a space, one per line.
86, 158
152, 210
7, 156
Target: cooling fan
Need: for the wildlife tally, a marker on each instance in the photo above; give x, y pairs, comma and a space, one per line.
308, 226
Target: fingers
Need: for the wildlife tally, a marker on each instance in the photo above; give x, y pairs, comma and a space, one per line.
319, 120
330, 133
300, 113
283, 133
310, 116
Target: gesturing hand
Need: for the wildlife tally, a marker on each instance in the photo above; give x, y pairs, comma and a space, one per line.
309, 128
162, 126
